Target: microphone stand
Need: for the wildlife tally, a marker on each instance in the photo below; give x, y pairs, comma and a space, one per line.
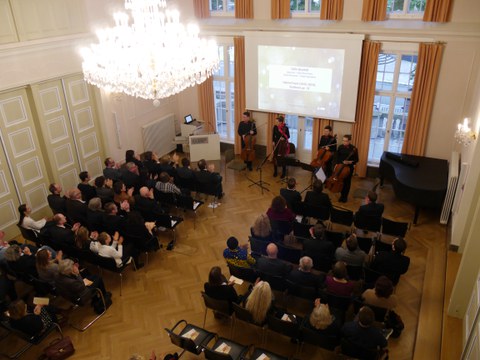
260, 183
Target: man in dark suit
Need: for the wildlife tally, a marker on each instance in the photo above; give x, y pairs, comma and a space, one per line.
113, 222
291, 195
271, 264
146, 205
393, 262
88, 191
304, 276
111, 170
207, 176
76, 208
371, 208
319, 248
56, 202
317, 197
61, 234
131, 177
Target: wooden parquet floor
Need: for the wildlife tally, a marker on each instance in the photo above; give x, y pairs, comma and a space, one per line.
168, 289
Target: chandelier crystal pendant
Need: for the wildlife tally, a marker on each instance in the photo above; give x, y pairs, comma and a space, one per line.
153, 57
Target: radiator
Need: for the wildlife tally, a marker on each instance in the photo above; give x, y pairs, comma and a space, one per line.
451, 189
158, 135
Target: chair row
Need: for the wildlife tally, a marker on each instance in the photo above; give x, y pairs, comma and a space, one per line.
197, 340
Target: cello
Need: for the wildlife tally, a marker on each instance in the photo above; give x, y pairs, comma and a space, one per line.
323, 156
341, 171
248, 152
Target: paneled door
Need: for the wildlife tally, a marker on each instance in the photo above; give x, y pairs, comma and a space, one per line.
23, 176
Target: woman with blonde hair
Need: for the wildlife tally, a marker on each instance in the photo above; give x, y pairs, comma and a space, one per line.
259, 302
322, 321
261, 228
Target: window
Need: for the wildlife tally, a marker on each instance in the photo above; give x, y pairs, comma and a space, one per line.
405, 8
305, 7
395, 76
301, 132
222, 7
223, 94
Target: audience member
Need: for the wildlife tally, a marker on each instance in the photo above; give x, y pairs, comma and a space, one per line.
112, 221
322, 321
47, 267
393, 262
303, 274
290, 194
261, 228
56, 202
316, 197
71, 283
371, 208
185, 172
140, 233
219, 288
21, 261
237, 255
103, 189
146, 204
30, 321
27, 222
363, 334
111, 170
271, 264
76, 207
278, 210
131, 176
382, 296
319, 248
259, 302
121, 194
206, 175
61, 234
95, 215
130, 156
168, 164
150, 162
337, 282
83, 238
352, 254
165, 184
104, 246
87, 190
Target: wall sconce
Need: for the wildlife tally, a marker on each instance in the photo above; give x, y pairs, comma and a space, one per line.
464, 135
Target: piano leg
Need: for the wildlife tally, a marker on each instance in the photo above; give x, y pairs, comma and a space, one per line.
415, 217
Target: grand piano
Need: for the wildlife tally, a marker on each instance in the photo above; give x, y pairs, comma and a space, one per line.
419, 180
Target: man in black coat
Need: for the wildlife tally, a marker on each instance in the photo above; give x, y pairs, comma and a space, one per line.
146, 205
76, 208
371, 208
319, 248
61, 234
304, 276
392, 263
291, 195
56, 202
271, 264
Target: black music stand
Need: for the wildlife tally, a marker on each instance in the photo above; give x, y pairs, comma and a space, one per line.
260, 183
286, 161
313, 170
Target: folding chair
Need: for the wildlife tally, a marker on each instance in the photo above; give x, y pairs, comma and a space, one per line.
190, 338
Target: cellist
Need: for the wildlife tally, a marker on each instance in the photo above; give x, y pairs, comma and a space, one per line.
347, 154
329, 142
280, 136
246, 128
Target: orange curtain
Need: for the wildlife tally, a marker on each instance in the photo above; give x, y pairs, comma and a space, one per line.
331, 10
239, 87
201, 9
270, 123
423, 94
244, 9
207, 104
366, 93
374, 10
317, 132
280, 9
438, 10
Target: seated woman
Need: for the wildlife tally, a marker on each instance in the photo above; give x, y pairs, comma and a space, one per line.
47, 267
259, 302
237, 255
27, 222
382, 296
261, 229
278, 210
83, 238
69, 281
219, 288
337, 283
121, 194
322, 321
31, 321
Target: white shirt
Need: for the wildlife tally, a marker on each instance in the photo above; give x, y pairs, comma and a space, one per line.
111, 252
29, 223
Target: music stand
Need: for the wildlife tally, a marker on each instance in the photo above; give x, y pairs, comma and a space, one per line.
286, 161
260, 183
314, 171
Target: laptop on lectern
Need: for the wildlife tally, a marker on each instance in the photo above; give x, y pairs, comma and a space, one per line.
188, 119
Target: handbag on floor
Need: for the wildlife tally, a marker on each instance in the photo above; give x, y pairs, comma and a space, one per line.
59, 349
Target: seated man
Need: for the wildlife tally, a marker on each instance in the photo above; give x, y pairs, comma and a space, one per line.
56, 202
361, 333
237, 255
352, 254
290, 194
319, 248
393, 262
304, 276
103, 189
131, 176
112, 221
271, 264
371, 208
165, 184
87, 190
112, 170
61, 234
206, 175
146, 205
76, 207
317, 197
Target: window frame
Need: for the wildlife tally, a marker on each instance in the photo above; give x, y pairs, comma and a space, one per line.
224, 12
307, 13
405, 14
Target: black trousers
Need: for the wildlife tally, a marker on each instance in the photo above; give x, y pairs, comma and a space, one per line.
347, 183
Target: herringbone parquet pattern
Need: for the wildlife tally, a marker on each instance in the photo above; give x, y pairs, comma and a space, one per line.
169, 288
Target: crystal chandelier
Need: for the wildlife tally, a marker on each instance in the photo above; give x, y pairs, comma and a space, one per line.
154, 57
464, 135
